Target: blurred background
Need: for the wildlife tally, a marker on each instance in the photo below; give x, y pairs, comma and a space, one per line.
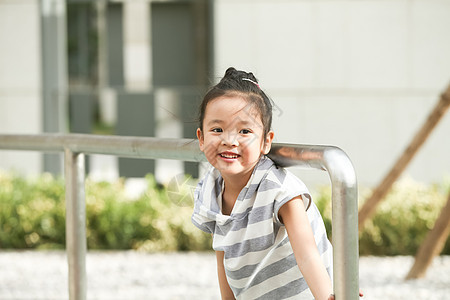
360, 75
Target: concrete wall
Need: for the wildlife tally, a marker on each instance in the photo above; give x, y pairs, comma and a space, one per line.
361, 75
20, 79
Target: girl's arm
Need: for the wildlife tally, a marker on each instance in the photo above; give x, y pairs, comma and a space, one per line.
225, 290
293, 215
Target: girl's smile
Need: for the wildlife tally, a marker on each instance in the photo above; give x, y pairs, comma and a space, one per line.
229, 156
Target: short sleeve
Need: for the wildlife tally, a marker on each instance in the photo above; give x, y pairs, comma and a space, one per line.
291, 188
201, 217
207, 227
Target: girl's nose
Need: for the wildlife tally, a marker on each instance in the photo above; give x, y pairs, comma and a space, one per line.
230, 139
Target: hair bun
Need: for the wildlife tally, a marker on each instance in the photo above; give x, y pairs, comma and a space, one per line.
230, 71
233, 74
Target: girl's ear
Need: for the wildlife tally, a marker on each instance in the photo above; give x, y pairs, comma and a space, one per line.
200, 138
268, 142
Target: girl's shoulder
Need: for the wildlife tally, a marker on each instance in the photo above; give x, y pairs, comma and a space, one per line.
283, 176
289, 186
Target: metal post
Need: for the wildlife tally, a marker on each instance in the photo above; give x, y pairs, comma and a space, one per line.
344, 208
344, 224
75, 224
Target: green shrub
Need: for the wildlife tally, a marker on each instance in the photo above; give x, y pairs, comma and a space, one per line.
32, 215
401, 220
31, 212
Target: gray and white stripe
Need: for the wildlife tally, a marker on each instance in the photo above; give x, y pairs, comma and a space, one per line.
259, 259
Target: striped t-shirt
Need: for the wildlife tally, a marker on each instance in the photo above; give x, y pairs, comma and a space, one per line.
259, 261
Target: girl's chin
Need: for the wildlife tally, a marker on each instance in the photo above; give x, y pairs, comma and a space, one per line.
234, 169
229, 169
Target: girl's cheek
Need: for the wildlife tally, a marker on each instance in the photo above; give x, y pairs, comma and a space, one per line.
211, 145
243, 142
250, 140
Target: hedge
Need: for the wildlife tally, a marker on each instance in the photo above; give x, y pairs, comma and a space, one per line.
402, 219
32, 216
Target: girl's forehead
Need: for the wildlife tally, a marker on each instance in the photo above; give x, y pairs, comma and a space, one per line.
232, 97
235, 107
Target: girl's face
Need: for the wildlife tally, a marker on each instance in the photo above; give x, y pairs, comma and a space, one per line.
232, 137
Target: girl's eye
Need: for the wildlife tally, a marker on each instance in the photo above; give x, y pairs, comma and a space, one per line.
216, 130
245, 131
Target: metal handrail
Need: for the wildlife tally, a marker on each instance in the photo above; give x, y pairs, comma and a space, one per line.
328, 158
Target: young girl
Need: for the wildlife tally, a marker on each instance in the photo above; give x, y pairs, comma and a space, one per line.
268, 235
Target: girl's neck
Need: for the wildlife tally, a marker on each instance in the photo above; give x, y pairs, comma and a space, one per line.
233, 185
236, 183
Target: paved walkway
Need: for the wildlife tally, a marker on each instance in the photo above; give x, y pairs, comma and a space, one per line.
131, 275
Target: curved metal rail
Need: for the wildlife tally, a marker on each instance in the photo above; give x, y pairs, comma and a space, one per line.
327, 158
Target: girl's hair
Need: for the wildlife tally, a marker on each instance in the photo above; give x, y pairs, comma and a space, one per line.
240, 83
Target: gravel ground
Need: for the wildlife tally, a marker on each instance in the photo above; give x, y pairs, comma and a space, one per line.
132, 275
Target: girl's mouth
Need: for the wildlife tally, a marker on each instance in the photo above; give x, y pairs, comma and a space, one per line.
229, 155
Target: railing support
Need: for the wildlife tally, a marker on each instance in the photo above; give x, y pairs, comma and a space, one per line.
344, 224
344, 208
75, 224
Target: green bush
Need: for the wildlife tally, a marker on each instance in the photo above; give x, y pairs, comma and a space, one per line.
401, 220
32, 215
31, 212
